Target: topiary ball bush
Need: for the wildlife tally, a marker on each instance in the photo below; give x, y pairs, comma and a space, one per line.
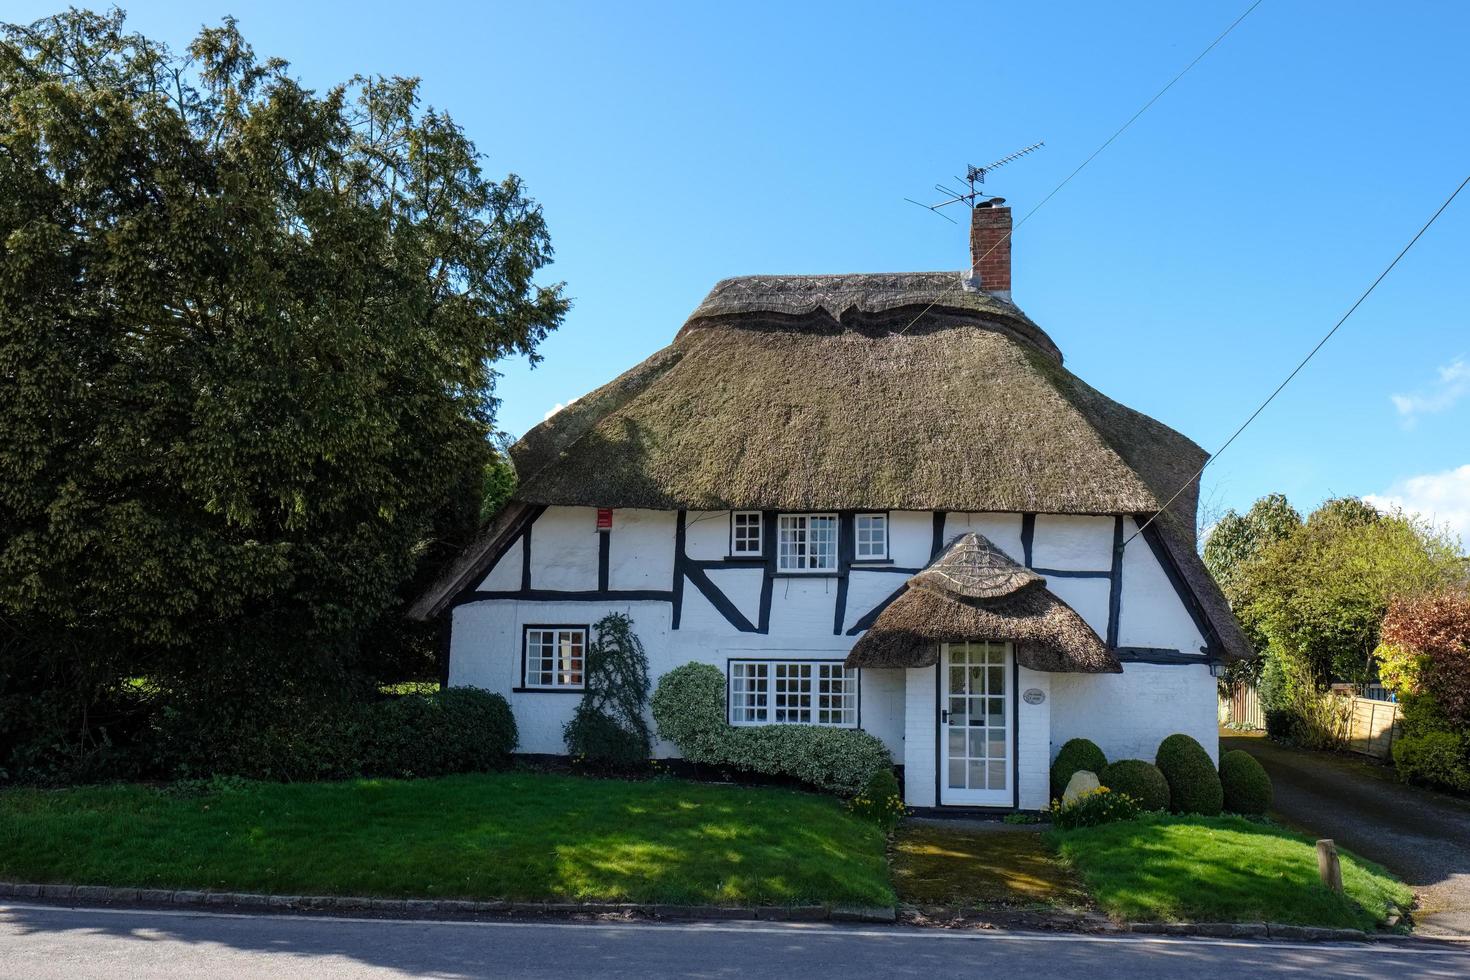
1194, 785
1076, 754
1139, 779
1246, 785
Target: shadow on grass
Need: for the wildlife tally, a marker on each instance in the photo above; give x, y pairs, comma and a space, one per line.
962, 868
503, 835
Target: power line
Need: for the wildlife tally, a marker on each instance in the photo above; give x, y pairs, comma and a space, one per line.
1083, 165
1310, 354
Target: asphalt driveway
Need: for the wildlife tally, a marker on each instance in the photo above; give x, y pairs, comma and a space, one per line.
1422, 836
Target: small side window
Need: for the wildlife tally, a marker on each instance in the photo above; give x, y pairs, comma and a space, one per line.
872, 536
553, 657
745, 533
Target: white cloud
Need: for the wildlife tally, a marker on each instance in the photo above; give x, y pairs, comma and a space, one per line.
557, 408
1441, 498
1452, 385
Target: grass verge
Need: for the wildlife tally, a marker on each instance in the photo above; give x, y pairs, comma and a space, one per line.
1222, 869
515, 835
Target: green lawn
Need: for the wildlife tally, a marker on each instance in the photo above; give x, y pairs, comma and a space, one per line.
513, 835
1222, 869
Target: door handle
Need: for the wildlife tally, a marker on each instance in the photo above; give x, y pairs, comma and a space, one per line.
943, 716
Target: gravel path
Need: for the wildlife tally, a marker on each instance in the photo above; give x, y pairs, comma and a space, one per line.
1423, 837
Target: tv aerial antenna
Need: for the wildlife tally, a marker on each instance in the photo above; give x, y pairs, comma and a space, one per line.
975, 179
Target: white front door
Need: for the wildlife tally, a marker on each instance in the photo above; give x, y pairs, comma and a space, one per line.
975, 751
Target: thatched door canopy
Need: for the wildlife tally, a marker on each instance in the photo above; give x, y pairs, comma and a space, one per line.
975, 591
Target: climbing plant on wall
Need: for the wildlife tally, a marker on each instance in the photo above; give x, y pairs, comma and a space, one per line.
609, 729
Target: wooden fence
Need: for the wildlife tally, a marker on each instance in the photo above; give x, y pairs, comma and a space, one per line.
1243, 708
1372, 725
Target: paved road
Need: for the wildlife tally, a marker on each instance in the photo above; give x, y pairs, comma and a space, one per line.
40, 943
1422, 836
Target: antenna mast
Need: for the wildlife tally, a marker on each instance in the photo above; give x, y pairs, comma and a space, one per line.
975, 178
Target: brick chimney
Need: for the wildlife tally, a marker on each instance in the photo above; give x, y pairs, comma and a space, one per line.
990, 249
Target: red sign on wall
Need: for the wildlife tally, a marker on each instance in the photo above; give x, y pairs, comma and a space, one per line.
604, 518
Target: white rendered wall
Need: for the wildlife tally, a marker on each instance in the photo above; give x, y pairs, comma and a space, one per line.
639, 555
1129, 714
1033, 753
1150, 613
506, 575
1071, 542
921, 728
564, 549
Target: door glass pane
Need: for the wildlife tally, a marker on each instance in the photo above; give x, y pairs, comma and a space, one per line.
956, 680
957, 774
997, 679
977, 744
977, 775
957, 713
997, 775
956, 742
997, 712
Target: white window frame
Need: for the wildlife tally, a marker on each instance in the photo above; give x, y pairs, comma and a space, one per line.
821, 693
801, 549
881, 517
736, 551
568, 658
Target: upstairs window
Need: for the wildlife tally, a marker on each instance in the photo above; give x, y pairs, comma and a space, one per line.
872, 536
777, 692
554, 656
806, 543
745, 533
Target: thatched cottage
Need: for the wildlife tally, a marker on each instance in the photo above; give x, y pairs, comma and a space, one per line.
877, 501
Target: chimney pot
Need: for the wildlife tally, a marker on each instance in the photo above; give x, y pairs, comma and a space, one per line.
990, 250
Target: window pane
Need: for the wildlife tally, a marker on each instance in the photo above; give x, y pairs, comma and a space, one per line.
746, 539
555, 657
823, 546
872, 535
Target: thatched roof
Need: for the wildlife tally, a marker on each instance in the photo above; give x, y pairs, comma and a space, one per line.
973, 568
896, 391
974, 591
967, 409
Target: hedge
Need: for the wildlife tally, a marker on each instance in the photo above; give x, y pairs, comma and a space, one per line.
461, 729
1075, 755
1435, 759
689, 710
1194, 785
1139, 779
1246, 786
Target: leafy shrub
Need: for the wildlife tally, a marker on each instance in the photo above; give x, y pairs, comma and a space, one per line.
880, 801
689, 710
1094, 807
1426, 649
1076, 754
1140, 780
608, 728
1246, 786
1194, 785
1436, 758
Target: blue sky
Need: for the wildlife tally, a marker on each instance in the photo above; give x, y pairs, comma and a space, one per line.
1183, 273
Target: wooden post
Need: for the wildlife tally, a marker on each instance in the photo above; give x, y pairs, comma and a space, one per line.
1328, 866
